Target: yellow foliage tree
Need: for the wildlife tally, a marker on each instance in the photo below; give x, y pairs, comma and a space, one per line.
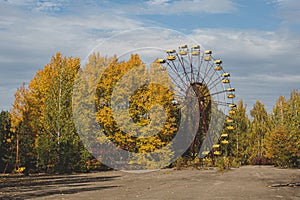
135, 109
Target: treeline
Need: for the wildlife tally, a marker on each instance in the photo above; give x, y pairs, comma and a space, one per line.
39, 135
267, 138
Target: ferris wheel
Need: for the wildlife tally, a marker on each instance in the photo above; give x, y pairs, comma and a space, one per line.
196, 70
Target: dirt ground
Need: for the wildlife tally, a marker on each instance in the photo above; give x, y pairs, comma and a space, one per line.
249, 182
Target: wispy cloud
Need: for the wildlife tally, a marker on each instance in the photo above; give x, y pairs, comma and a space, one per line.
253, 51
30, 37
158, 2
36, 5
55, 5
261, 62
288, 10
180, 7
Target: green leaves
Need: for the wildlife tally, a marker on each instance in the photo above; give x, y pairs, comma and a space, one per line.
267, 138
7, 143
42, 117
260, 128
136, 115
284, 139
239, 144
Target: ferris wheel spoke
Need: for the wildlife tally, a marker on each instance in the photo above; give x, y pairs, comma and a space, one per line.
210, 67
214, 83
206, 67
177, 85
198, 76
177, 74
200, 61
192, 68
217, 87
181, 61
175, 67
205, 74
215, 93
222, 103
211, 80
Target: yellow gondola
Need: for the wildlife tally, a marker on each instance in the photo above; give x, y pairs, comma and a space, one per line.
160, 61
205, 152
207, 58
171, 51
195, 53
171, 57
230, 96
230, 128
230, 89
183, 46
218, 62
225, 74
224, 135
224, 141
229, 120
218, 68
232, 105
183, 53
216, 146
225, 81
208, 52
217, 153
232, 112
195, 47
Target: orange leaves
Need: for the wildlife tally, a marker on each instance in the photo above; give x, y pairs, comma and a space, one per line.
19, 108
134, 105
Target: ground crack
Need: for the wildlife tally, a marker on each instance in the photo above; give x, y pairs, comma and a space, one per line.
293, 184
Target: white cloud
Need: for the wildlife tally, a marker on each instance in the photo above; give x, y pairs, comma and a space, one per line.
264, 87
253, 51
157, 2
180, 7
29, 38
27, 34
288, 10
44, 5
263, 64
284, 78
50, 5
18, 2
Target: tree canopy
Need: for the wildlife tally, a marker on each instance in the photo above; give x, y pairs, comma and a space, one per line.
39, 133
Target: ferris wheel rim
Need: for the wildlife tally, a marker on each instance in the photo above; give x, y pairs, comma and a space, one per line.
199, 60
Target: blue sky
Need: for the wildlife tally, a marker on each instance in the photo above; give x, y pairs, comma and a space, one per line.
258, 40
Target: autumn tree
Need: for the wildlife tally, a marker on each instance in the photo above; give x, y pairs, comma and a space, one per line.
20, 125
137, 110
7, 143
84, 107
129, 100
58, 144
283, 145
238, 146
43, 121
38, 89
260, 127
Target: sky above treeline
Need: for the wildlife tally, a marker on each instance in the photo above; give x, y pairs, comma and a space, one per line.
258, 41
